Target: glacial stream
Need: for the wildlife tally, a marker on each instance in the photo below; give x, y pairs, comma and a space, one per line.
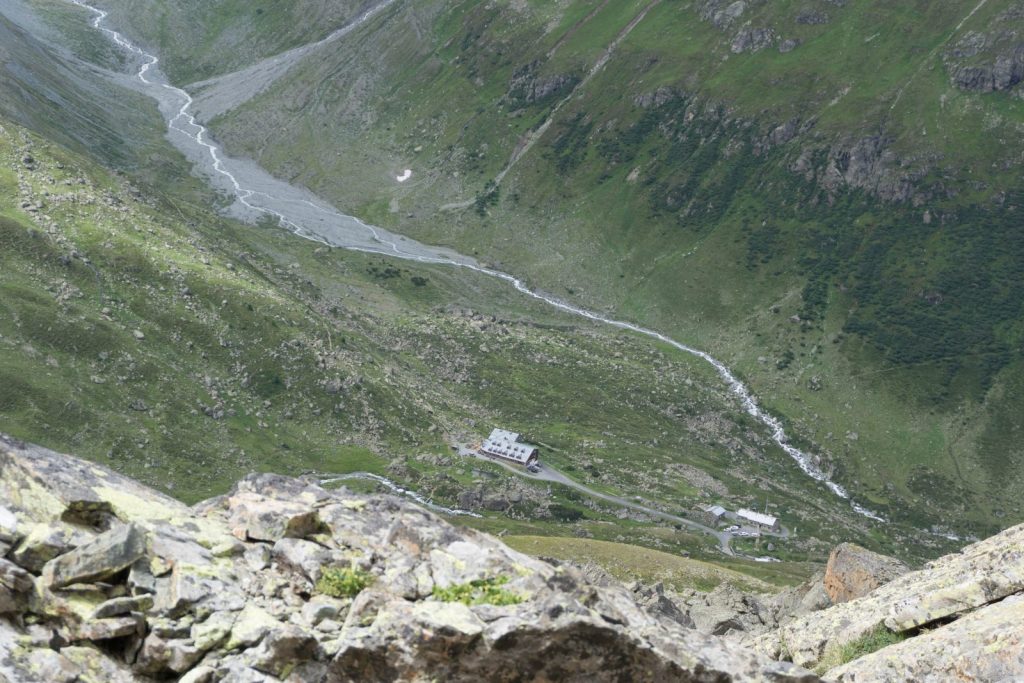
257, 194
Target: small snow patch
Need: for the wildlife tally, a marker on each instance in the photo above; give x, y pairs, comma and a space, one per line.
406, 174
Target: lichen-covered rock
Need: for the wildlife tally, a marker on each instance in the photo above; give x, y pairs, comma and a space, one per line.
282, 649
101, 558
45, 541
853, 572
726, 609
986, 645
945, 589
261, 519
14, 577
107, 629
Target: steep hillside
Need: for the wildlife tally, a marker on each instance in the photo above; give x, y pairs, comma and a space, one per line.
205, 39
61, 97
824, 194
147, 333
186, 350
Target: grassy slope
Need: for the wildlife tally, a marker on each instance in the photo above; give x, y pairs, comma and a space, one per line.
254, 323
898, 420
629, 563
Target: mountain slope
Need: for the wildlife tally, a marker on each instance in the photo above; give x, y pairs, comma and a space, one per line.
256, 350
823, 194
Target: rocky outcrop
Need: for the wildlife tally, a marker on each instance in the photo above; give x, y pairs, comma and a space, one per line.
853, 572
752, 39
987, 645
727, 610
528, 86
102, 579
961, 603
992, 59
140, 587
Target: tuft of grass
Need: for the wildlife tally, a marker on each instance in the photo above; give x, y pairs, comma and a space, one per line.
343, 582
487, 591
878, 638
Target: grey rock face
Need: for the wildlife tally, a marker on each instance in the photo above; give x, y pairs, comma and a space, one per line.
722, 13
992, 59
728, 610
987, 645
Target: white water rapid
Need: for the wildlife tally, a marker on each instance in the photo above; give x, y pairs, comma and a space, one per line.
258, 194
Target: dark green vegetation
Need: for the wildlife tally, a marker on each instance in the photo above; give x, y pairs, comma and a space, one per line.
824, 196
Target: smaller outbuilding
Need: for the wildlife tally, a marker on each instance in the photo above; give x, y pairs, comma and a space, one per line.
759, 520
713, 514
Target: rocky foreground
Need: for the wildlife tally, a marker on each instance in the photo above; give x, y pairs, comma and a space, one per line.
104, 580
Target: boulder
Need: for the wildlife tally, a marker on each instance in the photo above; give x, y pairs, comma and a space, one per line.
107, 629
281, 649
796, 601
10, 602
97, 666
200, 674
305, 557
8, 526
14, 577
160, 656
71, 605
853, 572
654, 600
446, 641
44, 542
321, 607
211, 633
726, 609
197, 590
54, 667
49, 486
106, 555
121, 606
265, 519
249, 628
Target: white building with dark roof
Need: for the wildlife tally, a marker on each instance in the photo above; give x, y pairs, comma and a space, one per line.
507, 446
759, 520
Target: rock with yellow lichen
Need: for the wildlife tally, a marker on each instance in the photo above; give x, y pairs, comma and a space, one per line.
953, 617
